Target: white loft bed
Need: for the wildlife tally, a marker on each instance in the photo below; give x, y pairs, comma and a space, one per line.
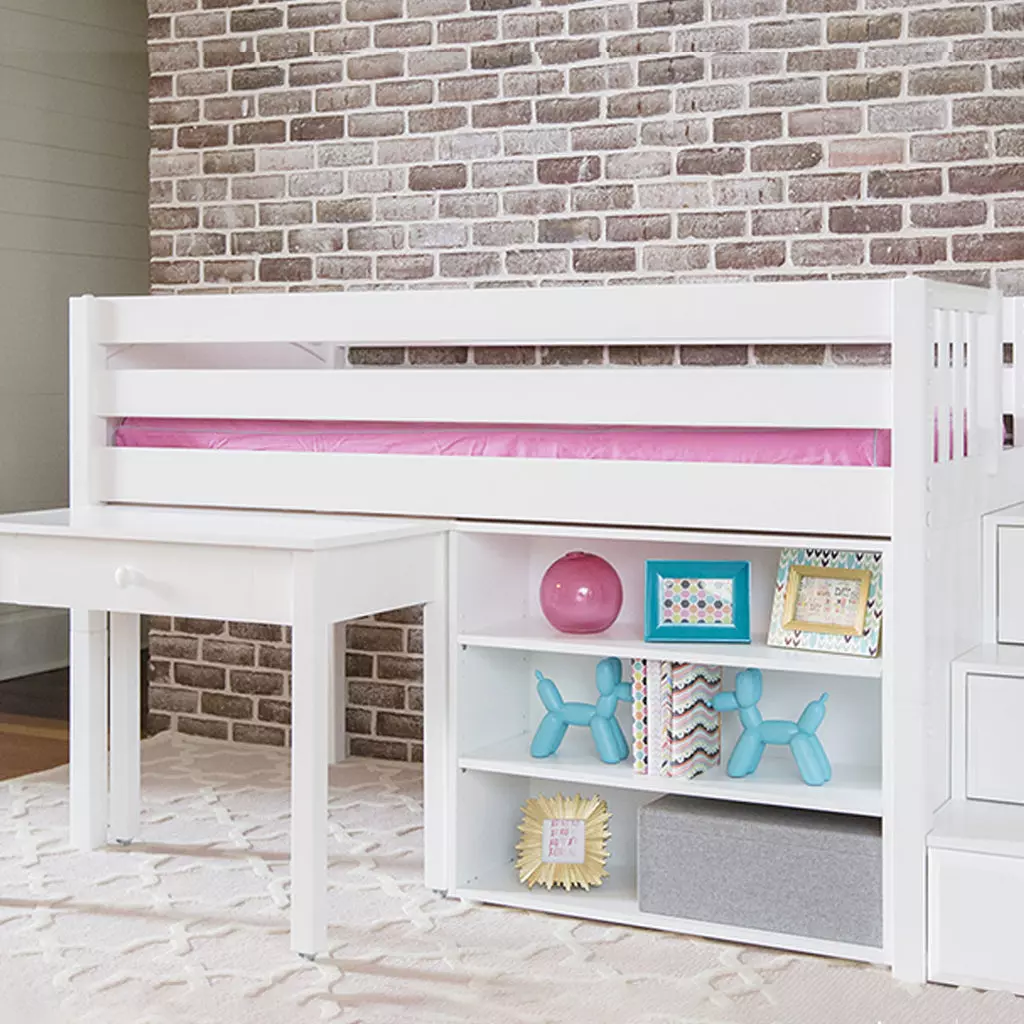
281, 357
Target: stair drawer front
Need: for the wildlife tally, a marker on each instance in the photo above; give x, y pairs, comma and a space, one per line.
975, 909
249, 584
1010, 576
995, 731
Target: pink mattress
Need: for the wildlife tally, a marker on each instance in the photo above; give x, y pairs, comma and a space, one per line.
644, 444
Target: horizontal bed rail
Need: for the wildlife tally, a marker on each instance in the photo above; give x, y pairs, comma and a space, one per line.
851, 312
779, 397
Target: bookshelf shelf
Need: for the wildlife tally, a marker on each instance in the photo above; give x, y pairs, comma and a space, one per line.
854, 789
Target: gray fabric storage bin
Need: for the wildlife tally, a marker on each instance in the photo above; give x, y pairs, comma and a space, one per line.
776, 869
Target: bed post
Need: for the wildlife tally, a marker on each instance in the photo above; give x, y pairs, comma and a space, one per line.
87, 432
905, 648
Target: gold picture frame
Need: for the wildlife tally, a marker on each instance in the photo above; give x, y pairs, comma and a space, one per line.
563, 842
794, 613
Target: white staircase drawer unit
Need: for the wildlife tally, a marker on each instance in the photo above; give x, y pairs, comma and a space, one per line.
975, 909
995, 714
1010, 575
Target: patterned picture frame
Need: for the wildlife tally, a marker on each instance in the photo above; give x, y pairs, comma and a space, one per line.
845, 588
689, 601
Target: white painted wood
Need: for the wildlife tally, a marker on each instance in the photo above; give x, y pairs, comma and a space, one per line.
88, 432
617, 904
845, 501
905, 653
32, 640
1013, 334
978, 826
976, 903
88, 729
769, 396
311, 682
995, 708
854, 789
622, 640
633, 314
437, 752
1010, 569
125, 726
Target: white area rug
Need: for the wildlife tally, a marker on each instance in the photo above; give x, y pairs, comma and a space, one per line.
190, 926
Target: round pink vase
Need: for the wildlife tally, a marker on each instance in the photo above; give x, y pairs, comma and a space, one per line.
581, 593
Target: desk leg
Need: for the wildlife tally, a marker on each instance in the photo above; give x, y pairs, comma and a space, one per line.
88, 727
125, 715
311, 725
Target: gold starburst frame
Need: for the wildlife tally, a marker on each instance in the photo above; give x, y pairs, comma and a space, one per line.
563, 842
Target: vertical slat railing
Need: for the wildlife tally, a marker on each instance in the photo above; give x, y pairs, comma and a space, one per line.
958, 354
943, 393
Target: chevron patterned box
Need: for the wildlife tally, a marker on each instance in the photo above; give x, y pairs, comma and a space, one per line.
676, 731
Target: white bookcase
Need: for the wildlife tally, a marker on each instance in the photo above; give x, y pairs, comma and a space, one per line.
501, 638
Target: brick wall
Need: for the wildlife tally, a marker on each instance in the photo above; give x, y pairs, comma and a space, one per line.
440, 143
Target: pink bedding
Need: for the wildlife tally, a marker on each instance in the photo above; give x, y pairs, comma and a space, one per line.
647, 444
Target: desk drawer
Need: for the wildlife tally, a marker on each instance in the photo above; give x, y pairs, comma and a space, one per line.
995, 719
250, 584
975, 909
1010, 584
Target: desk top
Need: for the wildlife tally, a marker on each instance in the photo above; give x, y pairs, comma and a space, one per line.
220, 527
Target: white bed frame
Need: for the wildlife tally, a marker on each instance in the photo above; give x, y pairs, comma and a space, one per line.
278, 356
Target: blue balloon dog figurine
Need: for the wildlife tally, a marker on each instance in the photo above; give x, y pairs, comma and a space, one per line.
600, 717
800, 736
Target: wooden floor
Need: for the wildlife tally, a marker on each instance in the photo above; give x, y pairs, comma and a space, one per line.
33, 724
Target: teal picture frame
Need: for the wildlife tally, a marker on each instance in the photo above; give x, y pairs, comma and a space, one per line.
684, 598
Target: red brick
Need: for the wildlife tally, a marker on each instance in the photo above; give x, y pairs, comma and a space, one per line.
603, 197
789, 355
314, 14
566, 170
670, 71
316, 128
902, 184
403, 35
749, 255
844, 252
251, 243
639, 44
792, 92
467, 30
345, 268
604, 261
835, 58
987, 180
907, 117
405, 268
208, 727
949, 21
224, 705
989, 110
748, 128
567, 51
169, 57
373, 10
711, 161
266, 735
500, 55
790, 157
380, 65
376, 239
256, 682
1002, 247
253, 20
795, 221
269, 77
636, 165
826, 121
527, 262
711, 225
969, 213
258, 133
438, 119
865, 28
785, 35
870, 152
947, 80
501, 115
204, 677
229, 271
569, 230
291, 269
281, 46
950, 148
658, 13
857, 88
861, 220
1008, 213
676, 258
437, 177
561, 111
219, 53
376, 125
746, 65
200, 244
174, 218
639, 228
908, 251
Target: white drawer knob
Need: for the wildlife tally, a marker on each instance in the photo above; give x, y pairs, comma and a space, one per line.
124, 576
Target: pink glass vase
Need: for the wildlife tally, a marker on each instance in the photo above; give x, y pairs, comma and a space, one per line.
581, 593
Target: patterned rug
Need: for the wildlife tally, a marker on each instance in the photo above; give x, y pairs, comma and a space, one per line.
190, 925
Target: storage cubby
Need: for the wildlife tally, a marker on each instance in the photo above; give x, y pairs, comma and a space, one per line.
503, 640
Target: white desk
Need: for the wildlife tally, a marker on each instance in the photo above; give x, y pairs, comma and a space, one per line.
309, 571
